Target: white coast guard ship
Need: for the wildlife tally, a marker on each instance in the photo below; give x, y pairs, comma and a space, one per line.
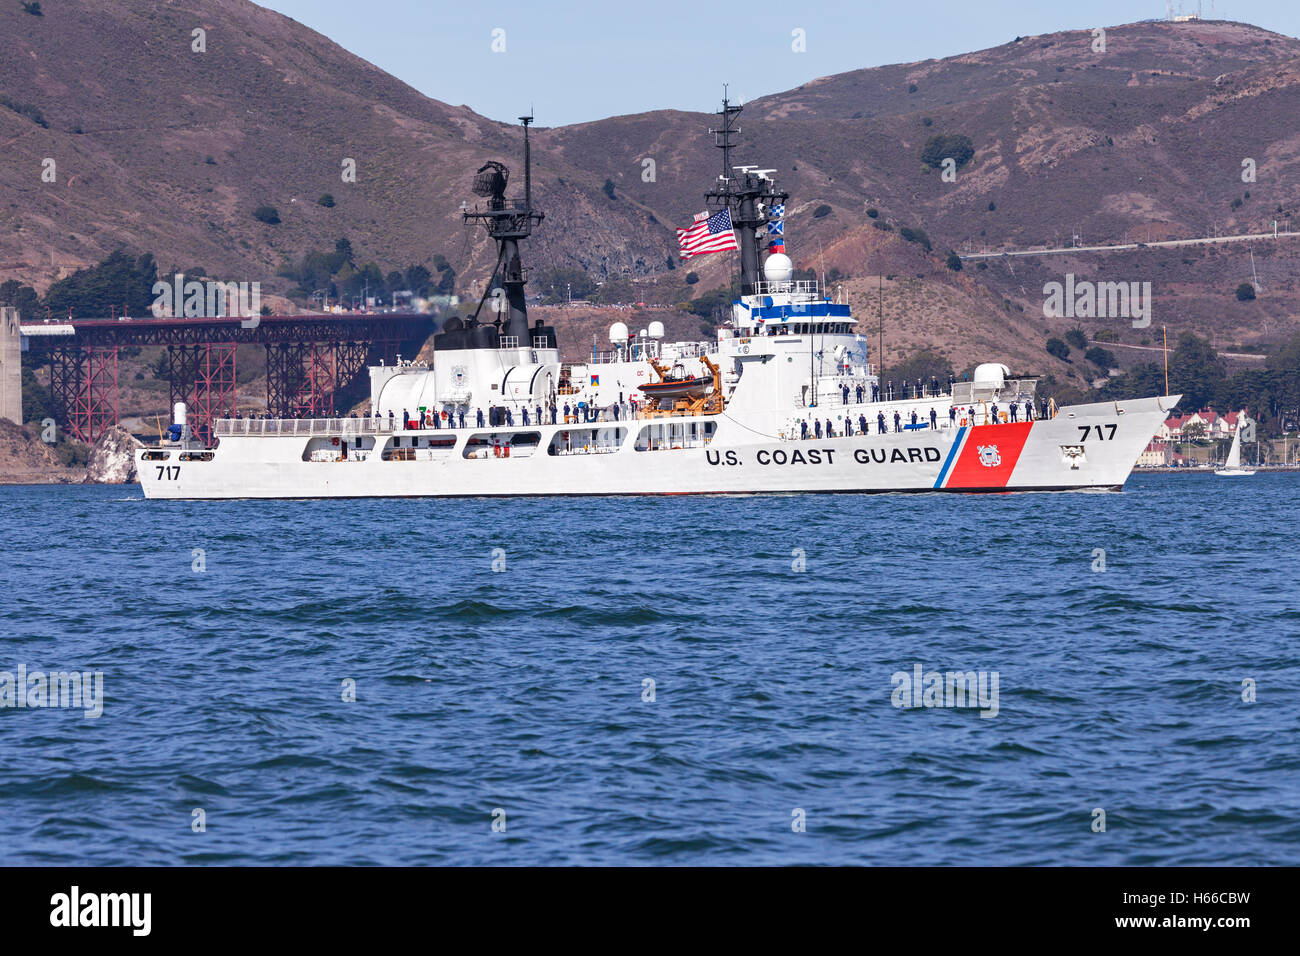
784, 399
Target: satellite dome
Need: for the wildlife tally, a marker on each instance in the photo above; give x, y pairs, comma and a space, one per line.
991, 373
656, 330
618, 333
778, 267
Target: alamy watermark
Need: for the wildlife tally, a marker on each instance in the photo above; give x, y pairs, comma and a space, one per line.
923, 688
208, 300
1098, 300
70, 689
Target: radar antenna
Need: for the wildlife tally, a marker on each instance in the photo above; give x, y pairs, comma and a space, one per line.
745, 190
507, 221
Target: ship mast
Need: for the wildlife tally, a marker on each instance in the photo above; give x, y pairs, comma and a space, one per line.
742, 191
507, 221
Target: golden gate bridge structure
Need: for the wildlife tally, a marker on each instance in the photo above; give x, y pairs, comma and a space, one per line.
310, 359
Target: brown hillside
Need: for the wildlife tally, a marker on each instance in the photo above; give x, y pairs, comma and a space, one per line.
167, 150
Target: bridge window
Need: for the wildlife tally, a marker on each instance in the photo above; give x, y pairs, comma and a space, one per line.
502, 444
587, 441
667, 435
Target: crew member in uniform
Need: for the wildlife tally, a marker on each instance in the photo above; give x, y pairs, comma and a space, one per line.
1014, 409
934, 418
993, 408
880, 423
829, 432
862, 425
803, 430
952, 414
479, 413
898, 422
817, 427
844, 389
1029, 409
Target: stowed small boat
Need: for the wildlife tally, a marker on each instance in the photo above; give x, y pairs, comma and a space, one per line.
678, 385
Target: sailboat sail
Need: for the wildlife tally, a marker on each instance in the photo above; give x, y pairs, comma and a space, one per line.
1234, 453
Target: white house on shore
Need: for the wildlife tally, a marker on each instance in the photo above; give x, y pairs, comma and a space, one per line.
1213, 425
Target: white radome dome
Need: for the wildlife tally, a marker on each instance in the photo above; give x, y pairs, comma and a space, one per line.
991, 373
618, 333
656, 330
778, 268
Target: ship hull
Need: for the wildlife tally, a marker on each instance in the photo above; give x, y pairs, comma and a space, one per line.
1086, 447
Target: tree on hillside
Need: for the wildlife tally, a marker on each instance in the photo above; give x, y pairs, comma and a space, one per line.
923, 365
21, 297
1245, 292
1059, 349
266, 214
917, 236
119, 283
956, 147
1100, 357
417, 280
1077, 339
1195, 370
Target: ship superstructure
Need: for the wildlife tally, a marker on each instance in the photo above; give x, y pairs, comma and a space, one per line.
785, 398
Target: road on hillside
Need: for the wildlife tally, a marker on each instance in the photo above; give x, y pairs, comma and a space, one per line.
1207, 240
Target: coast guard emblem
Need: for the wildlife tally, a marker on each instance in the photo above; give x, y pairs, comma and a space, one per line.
989, 456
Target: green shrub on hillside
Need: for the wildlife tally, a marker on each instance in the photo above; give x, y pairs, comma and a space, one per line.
1058, 349
957, 147
1100, 357
915, 235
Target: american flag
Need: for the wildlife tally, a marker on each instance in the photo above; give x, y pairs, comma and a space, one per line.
709, 234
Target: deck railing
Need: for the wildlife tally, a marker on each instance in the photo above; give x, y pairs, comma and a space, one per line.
227, 427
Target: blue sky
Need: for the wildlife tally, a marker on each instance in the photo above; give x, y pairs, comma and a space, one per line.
580, 60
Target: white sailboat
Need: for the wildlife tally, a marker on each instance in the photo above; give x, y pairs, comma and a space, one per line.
1232, 466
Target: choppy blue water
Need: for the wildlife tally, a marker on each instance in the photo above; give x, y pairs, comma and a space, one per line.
522, 690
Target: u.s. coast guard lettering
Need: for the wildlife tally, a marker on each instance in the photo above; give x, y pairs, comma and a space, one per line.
785, 397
